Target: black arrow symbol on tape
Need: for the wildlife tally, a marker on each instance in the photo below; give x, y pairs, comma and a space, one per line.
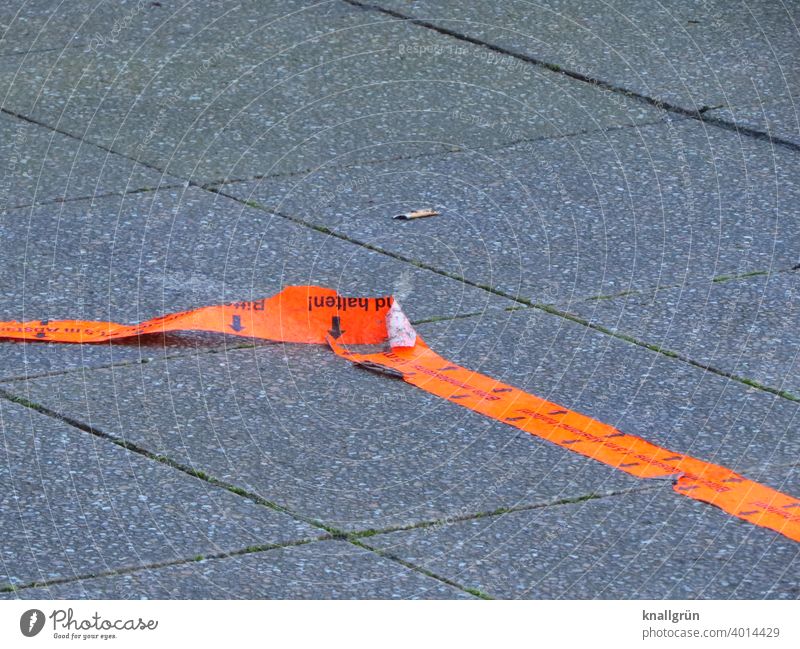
236, 325
336, 328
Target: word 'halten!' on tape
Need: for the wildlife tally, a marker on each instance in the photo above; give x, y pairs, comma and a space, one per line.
317, 315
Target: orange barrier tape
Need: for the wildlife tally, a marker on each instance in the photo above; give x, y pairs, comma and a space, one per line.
298, 314
312, 314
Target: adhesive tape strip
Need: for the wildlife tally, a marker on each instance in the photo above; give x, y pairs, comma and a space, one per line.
313, 314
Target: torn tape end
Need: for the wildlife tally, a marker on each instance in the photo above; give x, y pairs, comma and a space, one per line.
398, 327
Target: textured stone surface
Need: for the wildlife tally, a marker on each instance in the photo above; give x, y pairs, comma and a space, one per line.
305, 429
29, 27
326, 570
745, 326
695, 55
73, 505
778, 116
550, 190
129, 258
649, 545
41, 166
572, 217
259, 92
663, 400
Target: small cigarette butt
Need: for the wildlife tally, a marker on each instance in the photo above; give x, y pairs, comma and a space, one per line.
418, 214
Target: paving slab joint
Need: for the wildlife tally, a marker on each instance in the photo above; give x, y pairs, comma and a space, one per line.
718, 279
77, 199
36, 122
252, 549
162, 459
409, 260
223, 349
698, 114
784, 394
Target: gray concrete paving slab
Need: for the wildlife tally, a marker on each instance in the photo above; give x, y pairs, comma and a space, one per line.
30, 26
550, 189
745, 326
40, 166
324, 570
129, 258
694, 55
649, 545
555, 220
302, 428
287, 94
35, 26
358, 450
73, 505
663, 400
778, 116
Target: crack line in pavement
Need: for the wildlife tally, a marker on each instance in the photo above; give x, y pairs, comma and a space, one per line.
221, 349
699, 114
194, 352
432, 154
547, 308
162, 459
666, 352
699, 282
333, 533
255, 549
644, 292
60, 131
425, 571
140, 361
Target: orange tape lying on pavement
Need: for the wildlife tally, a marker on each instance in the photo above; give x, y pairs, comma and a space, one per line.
298, 314
312, 314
